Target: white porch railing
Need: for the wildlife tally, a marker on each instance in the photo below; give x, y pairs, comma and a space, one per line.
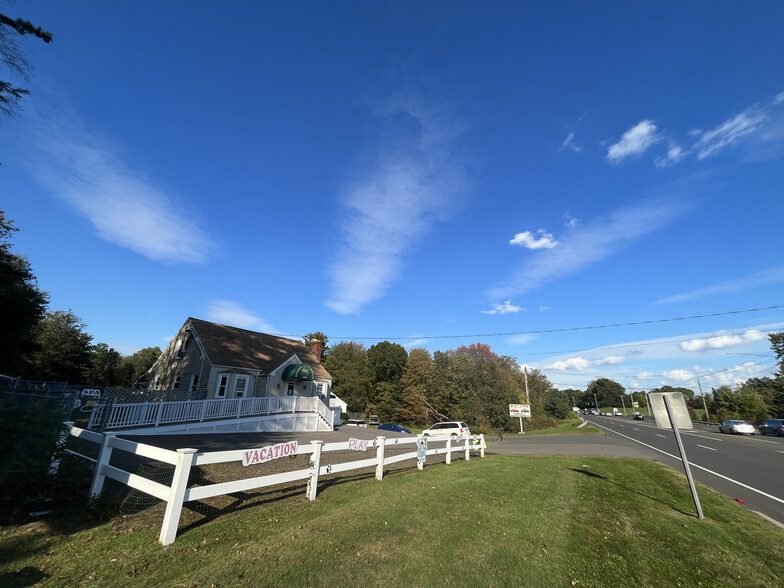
165, 413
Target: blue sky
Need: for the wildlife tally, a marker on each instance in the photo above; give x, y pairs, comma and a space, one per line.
435, 173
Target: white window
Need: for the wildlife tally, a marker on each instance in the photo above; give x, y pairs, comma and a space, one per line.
176, 381
240, 386
223, 383
194, 382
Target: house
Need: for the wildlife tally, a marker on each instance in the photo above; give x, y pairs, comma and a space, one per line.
208, 360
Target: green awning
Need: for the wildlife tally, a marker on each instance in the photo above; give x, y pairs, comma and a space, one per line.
298, 371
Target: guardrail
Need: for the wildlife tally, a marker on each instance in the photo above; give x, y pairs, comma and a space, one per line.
186, 458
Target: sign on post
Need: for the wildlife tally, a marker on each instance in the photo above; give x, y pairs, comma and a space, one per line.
522, 411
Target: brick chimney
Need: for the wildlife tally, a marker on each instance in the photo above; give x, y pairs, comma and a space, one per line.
315, 347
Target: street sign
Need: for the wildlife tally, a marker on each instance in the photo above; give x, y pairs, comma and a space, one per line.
680, 413
520, 410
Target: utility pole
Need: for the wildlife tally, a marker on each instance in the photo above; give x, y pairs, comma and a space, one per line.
525, 371
596, 402
624, 405
705, 406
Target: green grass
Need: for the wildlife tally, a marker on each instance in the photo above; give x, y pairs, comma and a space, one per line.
570, 427
498, 521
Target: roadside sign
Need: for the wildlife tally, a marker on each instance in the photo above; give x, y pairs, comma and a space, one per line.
421, 449
520, 410
680, 413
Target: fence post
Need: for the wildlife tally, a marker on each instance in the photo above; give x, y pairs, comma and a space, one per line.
171, 518
467, 448
54, 466
315, 465
203, 410
159, 413
104, 455
481, 445
380, 458
448, 450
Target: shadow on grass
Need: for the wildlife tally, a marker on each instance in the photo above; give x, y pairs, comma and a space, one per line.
646, 496
28, 576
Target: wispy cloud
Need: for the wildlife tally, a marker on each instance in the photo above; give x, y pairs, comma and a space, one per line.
589, 243
634, 142
125, 206
730, 131
529, 241
763, 278
412, 183
679, 375
644, 375
416, 342
230, 313
505, 308
580, 364
722, 341
674, 154
569, 143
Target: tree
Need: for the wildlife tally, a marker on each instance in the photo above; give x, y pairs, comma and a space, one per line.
777, 344
417, 381
104, 362
608, 392
63, 348
348, 365
22, 305
13, 57
133, 367
387, 362
557, 406
317, 336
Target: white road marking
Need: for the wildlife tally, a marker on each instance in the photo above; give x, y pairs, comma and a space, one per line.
706, 447
635, 428
662, 436
697, 466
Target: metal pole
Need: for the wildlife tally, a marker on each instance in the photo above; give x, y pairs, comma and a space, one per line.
683, 456
648, 403
596, 402
705, 406
521, 424
525, 371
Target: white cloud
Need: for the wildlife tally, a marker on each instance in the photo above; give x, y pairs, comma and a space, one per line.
414, 183
230, 313
730, 131
773, 275
778, 99
634, 142
721, 341
572, 364
679, 375
674, 154
643, 375
521, 339
590, 243
127, 208
610, 360
419, 342
527, 240
570, 144
505, 308
544, 308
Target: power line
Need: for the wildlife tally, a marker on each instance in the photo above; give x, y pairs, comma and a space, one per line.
565, 329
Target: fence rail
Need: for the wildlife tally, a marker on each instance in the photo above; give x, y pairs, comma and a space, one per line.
135, 414
184, 459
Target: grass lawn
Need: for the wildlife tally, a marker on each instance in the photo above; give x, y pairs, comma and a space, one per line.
498, 521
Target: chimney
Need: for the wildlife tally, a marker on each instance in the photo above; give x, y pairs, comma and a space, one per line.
315, 348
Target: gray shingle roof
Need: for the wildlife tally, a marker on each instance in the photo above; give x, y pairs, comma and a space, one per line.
235, 347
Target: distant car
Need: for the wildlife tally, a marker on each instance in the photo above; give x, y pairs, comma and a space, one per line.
638, 417
373, 419
355, 423
772, 427
447, 429
737, 427
393, 427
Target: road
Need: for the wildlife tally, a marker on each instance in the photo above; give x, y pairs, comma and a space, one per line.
747, 468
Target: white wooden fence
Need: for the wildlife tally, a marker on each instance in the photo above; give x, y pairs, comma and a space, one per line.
184, 459
137, 414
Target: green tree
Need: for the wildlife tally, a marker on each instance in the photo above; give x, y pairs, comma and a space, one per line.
387, 362
104, 362
63, 348
317, 336
22, 305
13, 58
133, 368
608, 392
417, 382
558, 405
539, 391
348, 365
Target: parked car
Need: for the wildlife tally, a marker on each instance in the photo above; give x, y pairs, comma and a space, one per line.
772, 427
393, 427
373, 419
737, 427
638, 417
448, 428
355, 423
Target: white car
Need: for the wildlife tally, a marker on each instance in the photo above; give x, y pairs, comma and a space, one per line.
447, 429
355, 423
737, 427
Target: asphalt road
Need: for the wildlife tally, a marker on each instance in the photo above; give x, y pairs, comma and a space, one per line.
743, 467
